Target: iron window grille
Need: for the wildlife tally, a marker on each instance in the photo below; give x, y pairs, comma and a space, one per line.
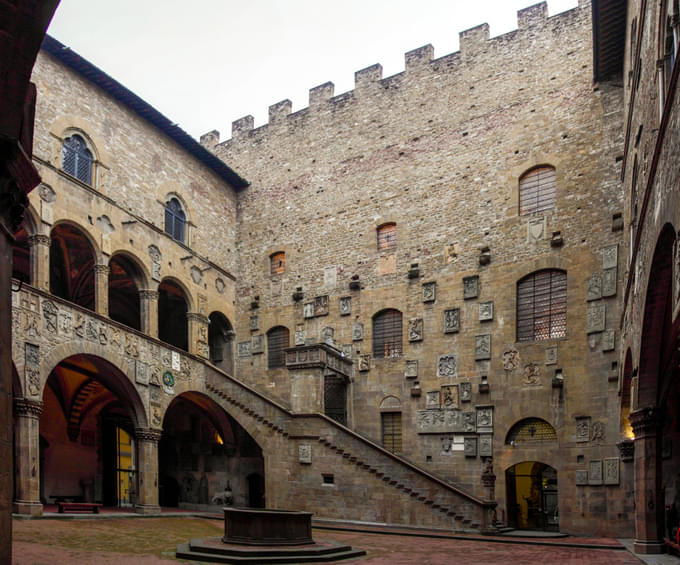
175, 220
277, 341
537, 190
387, 334
77, 159
391, 431
531, 430
542, 306
277, 263
387, 237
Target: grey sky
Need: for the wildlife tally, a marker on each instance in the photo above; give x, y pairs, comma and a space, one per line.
205, 63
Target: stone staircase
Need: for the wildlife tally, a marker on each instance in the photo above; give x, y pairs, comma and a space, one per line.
415, 496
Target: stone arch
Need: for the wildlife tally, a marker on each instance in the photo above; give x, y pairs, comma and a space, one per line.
131, 255
390, 403
531, 495
656, 345
116, 379
126, 280
184, 288
625, 427
174, 303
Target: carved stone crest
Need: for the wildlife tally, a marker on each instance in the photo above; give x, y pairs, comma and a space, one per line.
415, 329
429, 291
432, 400
50, 316
536, 230
551, 355
470, 447
610, 256
470, 287
609, 282
466, 391
219, 285
254, 323
31, 355
196, 274
452, 320
156, 258
469, 422
364, 362
327, 335
581, 477
449, 396
598, 431
257, 344
305, 453
243, 349
321, 305
485, 445
411, 371
609, 340
510, 360
485, 311
485, 418
358, 332
345, 305
595, 472
141, 373
308, 310
594, 287
595, 317
532, 374
446, 366
582, 430
611, 471
299, 337
482, 347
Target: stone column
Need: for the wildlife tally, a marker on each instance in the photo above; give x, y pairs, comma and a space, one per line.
148, 302
147, 470
198, 334
648, 500
101, 289
40, 261
27, 469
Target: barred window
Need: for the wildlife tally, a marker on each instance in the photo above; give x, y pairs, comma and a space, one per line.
277, 341
175, 220
387, 328
387, 237
531, 430
391, 431
537, 190
542, 306
77, 159
277, 263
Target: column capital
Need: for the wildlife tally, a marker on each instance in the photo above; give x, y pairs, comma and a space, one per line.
28, 407
197, 317
148, 434
645, 421
39, 239
148, 294
102, 269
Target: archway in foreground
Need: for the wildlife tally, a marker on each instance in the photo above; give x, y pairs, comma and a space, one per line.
203, 453
87, 434
532, 496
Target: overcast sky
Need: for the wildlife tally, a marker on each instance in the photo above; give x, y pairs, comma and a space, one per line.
206, 63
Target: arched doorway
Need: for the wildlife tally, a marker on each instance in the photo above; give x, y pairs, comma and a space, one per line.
72, 266
173, 326
87, 427
125, 280
532, 496
203, 453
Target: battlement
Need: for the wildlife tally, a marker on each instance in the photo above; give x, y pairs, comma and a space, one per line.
476, 42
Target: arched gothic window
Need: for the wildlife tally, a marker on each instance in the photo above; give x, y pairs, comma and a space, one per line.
77, 159
175, 220
537, 190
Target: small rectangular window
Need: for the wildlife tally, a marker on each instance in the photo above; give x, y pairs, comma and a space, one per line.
328, 479
277, 263
391, 431
387, 237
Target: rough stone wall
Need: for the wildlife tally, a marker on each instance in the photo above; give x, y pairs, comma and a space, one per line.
439, 149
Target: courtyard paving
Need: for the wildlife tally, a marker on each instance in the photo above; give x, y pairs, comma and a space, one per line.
152, 541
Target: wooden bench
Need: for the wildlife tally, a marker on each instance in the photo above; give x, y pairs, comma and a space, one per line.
78, 507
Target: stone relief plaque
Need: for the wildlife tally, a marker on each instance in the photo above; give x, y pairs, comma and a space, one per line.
244, 349
328, 335
470, 287
31, 355
364, 362
452, 320
611, 471
609, 340
484, 419
432, 400
254, 323
597, 431
581, 477
450, 397
609, 282
429, 291
330, 277
582, 430
485, 311
482, 347
469, 422
276, 287
510, 360
551, 355
257, 344
437, 421
168, 383
594, 287
347, 350
447, 445
299, 337
446, 365
220, 285
49, 316
595, 317
156, 257
610, 256
358, 332
595, 472
415, 329
308, 310
466, 391
141, 372
175, 361
536, 230
485, 445
65, 323
345, 305
305, 453
470, 447
196, 274
411, 371
321, 305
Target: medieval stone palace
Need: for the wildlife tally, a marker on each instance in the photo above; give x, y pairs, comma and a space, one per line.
446, 298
